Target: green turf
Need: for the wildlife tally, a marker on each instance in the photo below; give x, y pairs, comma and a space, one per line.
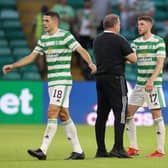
16, 139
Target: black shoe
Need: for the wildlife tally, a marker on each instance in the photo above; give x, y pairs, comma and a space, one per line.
76, 156
101, 154
37, 153
119, 154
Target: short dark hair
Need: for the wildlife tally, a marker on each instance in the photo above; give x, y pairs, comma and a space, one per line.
146, 18
53, 14
110, 21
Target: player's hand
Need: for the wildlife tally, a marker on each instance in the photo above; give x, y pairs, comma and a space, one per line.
127, 62
7, 68
93, 68
149, 85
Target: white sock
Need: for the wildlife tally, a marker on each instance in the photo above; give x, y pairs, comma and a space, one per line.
131, 130
49, 134
72, 136
160, 131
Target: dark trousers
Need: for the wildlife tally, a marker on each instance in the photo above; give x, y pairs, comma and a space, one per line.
111, 94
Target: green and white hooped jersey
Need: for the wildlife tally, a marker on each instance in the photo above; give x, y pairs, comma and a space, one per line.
147, 52
58, 51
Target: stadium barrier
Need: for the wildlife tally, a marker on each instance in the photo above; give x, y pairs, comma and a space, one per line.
26, 102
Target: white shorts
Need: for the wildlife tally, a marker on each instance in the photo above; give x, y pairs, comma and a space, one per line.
153, 100
59, 95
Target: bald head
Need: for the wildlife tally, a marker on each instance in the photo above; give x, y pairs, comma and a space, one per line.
110, 21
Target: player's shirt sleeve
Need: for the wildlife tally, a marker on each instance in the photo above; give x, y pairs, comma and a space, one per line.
71, 42
133, 46
125, 47
39, 48
161, 49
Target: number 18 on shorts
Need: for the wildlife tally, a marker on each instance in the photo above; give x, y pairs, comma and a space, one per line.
59, 95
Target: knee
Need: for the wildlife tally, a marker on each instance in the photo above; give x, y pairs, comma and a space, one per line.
53, 112
64, 115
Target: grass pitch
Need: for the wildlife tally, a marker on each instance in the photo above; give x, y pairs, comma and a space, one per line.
16, 139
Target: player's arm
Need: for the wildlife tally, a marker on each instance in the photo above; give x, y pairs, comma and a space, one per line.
158, 68
85, 55
128, 52
22, 62
131, 58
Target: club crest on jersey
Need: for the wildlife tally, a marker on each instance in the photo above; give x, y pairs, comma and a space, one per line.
144, 54
49, 51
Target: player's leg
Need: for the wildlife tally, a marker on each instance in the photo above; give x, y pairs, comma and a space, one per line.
131, 131
51, 128
72, 136
156, 101
49, 133
135, 101
69, 126
56, 96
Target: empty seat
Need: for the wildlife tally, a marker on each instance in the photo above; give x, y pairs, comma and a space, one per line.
18, 43
76, 4
20, 52
160, 4
13, 75
6, 14
3, 43
130, 71
130, 35
5, 51
11, 25
8, 4
31, 76
160, 15
2, 34
6, 60
14, 35
29, 68
159, 26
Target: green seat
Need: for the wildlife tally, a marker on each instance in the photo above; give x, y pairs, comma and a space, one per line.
12, 25
13, 75
5, 51
6, 14
14, 35
162, 33
130, 35
130, 71
6, 60
20, 52
160, 15
3, 43
18, 44
159, 26
160, 4
8, 4
115, 7
31, 76
2, 34
29, 68
76, 4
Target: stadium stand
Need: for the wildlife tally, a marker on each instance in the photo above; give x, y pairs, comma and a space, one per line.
17, 16
13, 42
